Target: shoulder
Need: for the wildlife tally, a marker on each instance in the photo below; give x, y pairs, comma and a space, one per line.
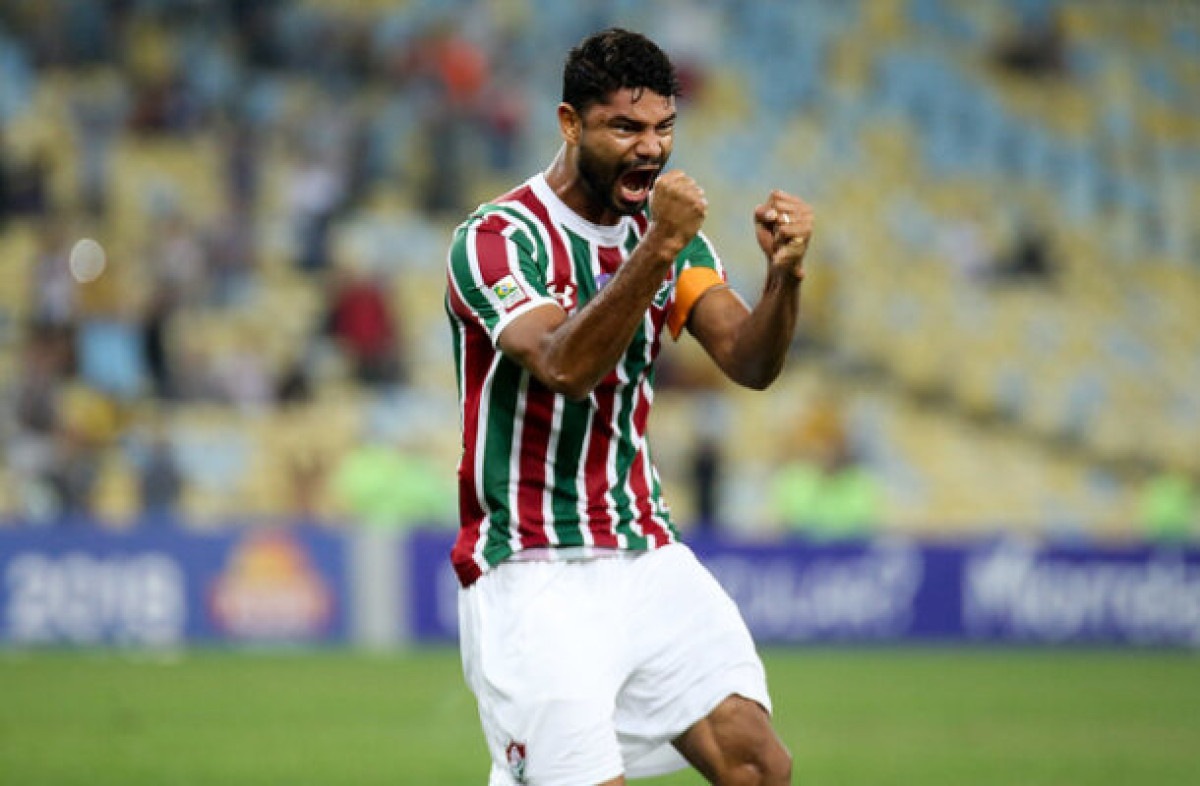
509, 217
699, 254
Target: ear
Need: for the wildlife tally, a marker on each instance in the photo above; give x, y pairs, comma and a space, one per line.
570, 124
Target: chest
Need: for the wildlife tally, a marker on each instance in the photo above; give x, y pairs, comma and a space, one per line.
582, 270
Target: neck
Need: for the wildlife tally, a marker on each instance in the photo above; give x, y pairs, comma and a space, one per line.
563, 178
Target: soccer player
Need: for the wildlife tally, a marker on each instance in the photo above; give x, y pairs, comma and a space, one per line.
597, 646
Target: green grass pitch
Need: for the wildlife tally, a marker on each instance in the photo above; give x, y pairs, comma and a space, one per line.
853, 717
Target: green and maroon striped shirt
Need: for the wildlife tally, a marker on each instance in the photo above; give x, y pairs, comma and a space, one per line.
539, 470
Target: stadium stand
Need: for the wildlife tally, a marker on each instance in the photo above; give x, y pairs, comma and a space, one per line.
1002, 296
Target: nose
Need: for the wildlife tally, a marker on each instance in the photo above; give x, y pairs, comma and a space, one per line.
650, 144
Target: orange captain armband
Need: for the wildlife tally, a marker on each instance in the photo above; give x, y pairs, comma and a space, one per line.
693, 282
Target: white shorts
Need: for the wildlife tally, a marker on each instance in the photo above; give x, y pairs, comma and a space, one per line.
586, 670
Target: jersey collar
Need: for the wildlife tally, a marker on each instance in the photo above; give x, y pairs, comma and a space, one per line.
612, 235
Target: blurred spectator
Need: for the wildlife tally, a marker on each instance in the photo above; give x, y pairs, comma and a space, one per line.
308, 487
706, 468
178, 258
963, 243
31, 450
505, 110
360, 320
821, 491
24, 184
99, 108
6, 184
294, 385
242, 167
111, 356
160, 481
1030, 259
155, 323
163, 99
1036, 46
706, 477
230, 254
55, 296
832, 497
47, 359
379, 485
72, 478
240, 377
458, 70
88, 422
1169, 508
315, 190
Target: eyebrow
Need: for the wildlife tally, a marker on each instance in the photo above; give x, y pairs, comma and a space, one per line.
623, 118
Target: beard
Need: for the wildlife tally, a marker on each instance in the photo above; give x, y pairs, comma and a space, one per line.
601, 179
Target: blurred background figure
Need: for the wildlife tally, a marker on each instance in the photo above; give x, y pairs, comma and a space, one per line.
389, 487
159, 479
820, 490
361, 323
1034, 45
1170, 508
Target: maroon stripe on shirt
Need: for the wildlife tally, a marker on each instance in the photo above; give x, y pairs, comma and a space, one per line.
476, 351
533, 484
640, 477
600, 522
492, 250
610, 259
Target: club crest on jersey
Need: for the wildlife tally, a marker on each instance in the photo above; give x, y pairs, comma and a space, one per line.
508, 291
663, 294
515, 754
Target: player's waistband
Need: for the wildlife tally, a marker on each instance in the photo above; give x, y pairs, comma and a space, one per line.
571, 554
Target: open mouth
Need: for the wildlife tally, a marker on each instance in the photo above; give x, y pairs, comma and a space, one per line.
635, 184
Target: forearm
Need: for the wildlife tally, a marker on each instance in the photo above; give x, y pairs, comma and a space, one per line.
583, 349
761, 342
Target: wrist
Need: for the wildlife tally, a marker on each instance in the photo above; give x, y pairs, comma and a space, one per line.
664, 243
786, 277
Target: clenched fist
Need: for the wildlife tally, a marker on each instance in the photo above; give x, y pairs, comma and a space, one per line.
783, 226
678, 206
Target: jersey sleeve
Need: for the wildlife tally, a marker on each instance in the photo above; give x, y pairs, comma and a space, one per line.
697, 270
494, 274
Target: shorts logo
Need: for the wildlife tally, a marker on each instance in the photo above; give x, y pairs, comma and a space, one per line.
515, 754
509, 291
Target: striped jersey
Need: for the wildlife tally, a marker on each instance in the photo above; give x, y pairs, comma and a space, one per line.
539, 470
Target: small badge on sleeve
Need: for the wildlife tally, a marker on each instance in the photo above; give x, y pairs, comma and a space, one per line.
508, 291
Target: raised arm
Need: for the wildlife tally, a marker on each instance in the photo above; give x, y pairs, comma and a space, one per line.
750, 345
571, 354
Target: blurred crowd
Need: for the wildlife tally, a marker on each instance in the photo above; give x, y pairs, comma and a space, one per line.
398, 99
274, 182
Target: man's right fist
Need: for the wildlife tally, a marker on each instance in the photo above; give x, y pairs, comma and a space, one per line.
678, 205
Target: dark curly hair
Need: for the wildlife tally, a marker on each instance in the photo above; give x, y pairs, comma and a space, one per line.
614, 59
